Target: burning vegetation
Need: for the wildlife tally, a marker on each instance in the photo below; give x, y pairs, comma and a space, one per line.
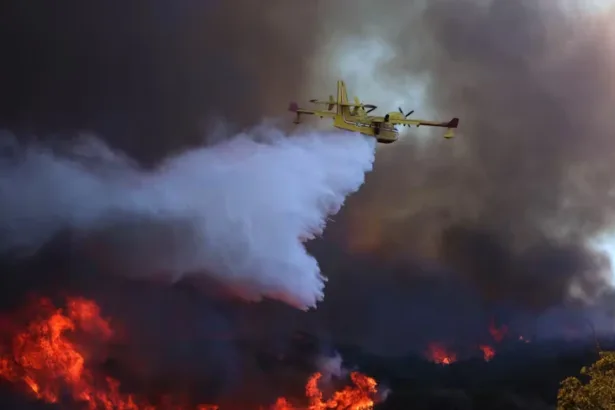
52, 357
439, 353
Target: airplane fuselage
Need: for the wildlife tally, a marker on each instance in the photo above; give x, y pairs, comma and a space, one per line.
383, 132
384, 136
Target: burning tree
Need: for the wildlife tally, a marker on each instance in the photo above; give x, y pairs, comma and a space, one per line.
598, 393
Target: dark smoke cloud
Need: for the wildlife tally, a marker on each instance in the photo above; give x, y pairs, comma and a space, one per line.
150, 77
513, 202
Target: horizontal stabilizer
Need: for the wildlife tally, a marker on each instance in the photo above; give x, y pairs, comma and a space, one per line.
330, 104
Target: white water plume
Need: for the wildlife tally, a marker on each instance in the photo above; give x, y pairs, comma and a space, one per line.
237, 212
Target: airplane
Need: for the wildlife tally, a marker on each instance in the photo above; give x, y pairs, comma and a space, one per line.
354, 117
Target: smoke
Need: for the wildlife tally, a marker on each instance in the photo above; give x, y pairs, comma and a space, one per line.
151, 80
238, 212
330, 366
514, 203
509, 209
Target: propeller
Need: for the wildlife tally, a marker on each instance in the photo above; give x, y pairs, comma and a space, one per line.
366, 107
405, 115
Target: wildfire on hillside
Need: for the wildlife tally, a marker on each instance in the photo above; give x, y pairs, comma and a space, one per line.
488, 352
50, 357
437, 353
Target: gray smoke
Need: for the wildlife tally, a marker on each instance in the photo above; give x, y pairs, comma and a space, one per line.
516, 201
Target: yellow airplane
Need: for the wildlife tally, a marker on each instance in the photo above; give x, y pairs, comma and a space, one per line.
354, 117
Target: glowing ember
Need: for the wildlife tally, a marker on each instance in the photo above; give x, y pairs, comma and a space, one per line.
488, 352
439, 354
51, 366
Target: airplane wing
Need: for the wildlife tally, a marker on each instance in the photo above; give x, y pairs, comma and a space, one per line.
376, 119
294, 107
454, 123
331, 103
368, 107
450, 125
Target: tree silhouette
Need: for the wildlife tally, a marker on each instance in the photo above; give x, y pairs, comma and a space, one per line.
598, 393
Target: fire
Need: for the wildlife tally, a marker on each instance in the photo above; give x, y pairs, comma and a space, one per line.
45, 360
351, 398
497, 334
437, 353
48, 361
488, 352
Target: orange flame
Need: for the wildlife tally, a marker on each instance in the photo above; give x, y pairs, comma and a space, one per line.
351, 398
437, 353
49, 364
488, 352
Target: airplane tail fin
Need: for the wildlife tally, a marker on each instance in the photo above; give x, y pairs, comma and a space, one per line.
452, 124
294, 107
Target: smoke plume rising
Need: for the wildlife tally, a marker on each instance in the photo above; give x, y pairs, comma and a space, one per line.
237, 212
513, 204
